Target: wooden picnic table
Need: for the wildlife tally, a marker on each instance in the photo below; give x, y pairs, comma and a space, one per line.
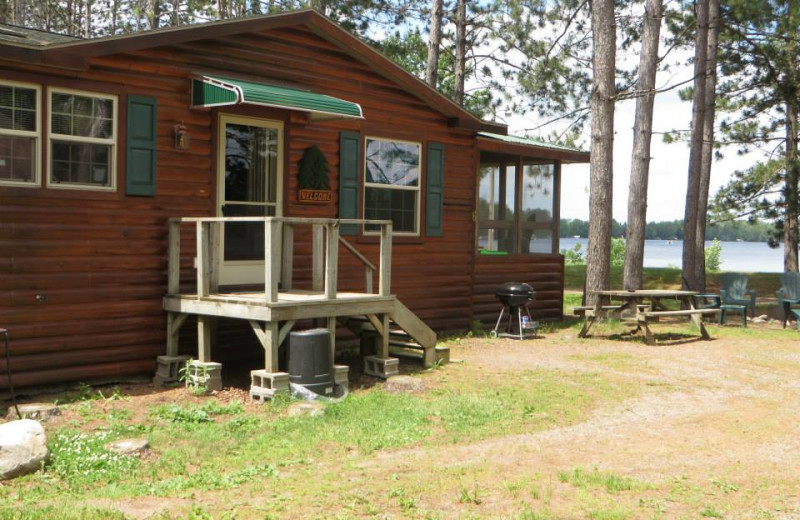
647, 305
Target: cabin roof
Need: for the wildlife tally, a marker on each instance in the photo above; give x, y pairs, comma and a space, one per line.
32, 37
512, 144
69, 52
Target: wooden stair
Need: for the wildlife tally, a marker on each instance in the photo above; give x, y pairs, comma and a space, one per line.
409, 336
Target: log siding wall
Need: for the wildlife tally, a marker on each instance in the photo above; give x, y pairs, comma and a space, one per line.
82, 273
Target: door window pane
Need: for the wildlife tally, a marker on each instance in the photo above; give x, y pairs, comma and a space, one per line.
251, 162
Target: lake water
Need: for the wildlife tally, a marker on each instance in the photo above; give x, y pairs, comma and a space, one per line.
736, 256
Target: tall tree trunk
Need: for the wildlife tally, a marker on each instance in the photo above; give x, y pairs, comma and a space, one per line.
461, 51
434, 44
707, 154
790, 227
791, 90
642, 136
695, 153
176, 13
87, 22
114, 16
18, 12
598, 255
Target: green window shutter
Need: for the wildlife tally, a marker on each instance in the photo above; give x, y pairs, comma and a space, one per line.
434, 190
141, 146
349, 179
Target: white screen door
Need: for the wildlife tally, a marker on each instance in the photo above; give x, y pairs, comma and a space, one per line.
249, 185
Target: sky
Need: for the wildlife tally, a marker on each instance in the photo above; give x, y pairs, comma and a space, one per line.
668, 167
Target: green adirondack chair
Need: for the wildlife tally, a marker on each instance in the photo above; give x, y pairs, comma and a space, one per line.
789, 294
734, 292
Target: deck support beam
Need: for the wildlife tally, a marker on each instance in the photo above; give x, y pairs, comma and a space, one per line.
174, 322
204, 338
269, 336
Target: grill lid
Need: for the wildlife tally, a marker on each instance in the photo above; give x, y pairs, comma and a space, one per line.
515, 289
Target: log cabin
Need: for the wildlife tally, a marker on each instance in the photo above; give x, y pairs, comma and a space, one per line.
244, 176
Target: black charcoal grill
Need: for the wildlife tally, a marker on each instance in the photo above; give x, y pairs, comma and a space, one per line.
515, 297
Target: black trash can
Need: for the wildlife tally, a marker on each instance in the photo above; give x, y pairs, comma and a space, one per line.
310, 362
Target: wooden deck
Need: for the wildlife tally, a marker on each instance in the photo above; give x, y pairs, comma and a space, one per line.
292, 305
273, 311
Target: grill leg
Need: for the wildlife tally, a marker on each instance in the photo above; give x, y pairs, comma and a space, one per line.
519, 322
497, 325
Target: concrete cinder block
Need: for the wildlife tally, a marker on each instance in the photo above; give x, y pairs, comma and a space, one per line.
265, 385
208, 375
340, 376
381, 367
168, 369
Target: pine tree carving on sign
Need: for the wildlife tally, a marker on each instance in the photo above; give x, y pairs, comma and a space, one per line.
313, 176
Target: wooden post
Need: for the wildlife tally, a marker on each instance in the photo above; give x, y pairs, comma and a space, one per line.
332, 332
385, 270
174, 258
269, 337
272, 258
288, 257
214, 255
174, 322
203, 274
385, 336
317, 262
204, 338
368, 273
332, 261
271, 345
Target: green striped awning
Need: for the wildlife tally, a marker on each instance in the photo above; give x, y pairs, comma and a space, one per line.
210, 91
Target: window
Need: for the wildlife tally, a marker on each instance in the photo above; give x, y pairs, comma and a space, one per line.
82, 140
391, 184
516, 206
19, 134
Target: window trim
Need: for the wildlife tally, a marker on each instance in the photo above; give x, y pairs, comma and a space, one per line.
37, 135
113, 141
417, 188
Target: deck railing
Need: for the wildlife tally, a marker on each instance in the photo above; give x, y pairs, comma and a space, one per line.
279, 254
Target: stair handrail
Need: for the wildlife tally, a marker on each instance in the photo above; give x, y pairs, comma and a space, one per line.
369, 267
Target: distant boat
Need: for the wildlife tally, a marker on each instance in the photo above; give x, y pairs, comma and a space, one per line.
739, 240
669, 242
576, 236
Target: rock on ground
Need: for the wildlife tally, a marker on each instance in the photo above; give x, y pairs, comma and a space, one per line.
37, 411
23, 448
397, 384
305, 408
133, 447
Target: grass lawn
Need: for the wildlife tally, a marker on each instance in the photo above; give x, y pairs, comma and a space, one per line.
555, 427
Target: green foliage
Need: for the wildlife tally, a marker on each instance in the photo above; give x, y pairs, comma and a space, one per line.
574, 256
710, 512
713, 255
195, 376
610, 482
724, 230
617, 251
196, 414
82, 458
313, 170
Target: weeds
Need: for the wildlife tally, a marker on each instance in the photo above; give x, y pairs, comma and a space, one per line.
82, 458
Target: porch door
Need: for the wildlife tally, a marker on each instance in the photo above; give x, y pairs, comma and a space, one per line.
249, 185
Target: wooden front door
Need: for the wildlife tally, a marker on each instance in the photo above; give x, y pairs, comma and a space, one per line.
250, 173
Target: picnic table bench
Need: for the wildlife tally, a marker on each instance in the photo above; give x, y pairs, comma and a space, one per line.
646, 313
